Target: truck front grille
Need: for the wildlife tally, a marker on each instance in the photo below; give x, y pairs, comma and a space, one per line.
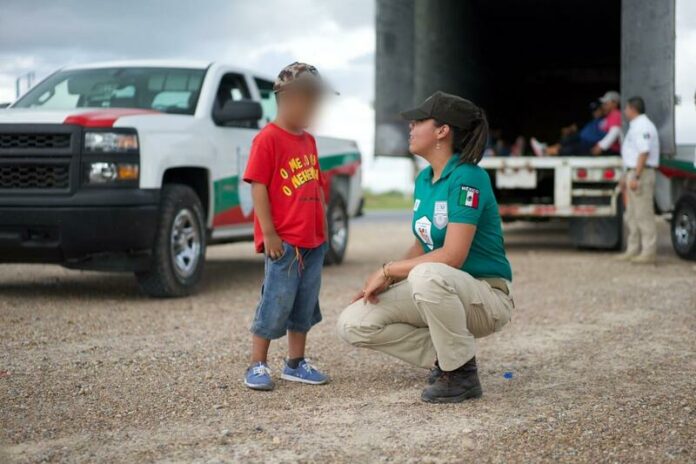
38, 158
34, 176
26, 141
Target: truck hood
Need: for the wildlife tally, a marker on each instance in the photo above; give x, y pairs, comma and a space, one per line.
86, 117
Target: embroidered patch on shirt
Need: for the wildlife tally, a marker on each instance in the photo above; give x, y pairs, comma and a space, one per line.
469, 196
440, 218
423, 227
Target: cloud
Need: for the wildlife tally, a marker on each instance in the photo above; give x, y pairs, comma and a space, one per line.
337, 36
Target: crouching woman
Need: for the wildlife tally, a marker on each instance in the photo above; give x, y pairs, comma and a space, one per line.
453, 284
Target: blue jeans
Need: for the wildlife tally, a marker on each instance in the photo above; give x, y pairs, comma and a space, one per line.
290, 292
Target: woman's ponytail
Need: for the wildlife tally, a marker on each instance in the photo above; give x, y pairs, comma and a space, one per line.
470, 143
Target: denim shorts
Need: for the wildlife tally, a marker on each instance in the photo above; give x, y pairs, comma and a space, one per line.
290, 292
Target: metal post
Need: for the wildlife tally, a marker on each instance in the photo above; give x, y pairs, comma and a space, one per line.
394, 75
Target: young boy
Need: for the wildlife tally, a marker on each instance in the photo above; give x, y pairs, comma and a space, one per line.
289, 227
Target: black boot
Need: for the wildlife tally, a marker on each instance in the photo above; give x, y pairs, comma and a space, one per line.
435, 373
455, 386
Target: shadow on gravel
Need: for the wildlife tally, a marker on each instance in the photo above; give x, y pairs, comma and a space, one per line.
74, 284
221, 274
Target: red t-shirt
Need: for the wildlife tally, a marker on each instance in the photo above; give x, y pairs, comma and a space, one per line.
613, 119
288, 165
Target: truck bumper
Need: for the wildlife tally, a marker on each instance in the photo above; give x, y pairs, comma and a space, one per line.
117, 237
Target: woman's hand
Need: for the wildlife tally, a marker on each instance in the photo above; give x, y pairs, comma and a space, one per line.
374, 285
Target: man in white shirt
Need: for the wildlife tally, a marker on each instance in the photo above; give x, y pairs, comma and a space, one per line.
640, 152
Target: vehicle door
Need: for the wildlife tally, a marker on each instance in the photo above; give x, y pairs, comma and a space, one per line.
232, 196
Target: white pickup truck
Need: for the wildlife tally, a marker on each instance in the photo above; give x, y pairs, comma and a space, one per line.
136, 166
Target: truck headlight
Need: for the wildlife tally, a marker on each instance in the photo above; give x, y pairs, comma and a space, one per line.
108, 173
113, 142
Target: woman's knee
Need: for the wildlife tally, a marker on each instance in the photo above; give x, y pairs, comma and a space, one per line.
431, 279
350, 327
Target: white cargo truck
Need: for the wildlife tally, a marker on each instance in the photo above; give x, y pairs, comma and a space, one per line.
578, 188
658, 63
535, 66
136, 166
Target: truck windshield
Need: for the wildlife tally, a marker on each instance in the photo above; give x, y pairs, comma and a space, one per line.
170, 90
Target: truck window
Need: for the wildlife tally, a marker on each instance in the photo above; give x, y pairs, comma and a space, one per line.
170, 90
232, 87
58, 97
268, 101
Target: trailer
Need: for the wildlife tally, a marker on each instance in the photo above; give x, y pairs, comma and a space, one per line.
534, 66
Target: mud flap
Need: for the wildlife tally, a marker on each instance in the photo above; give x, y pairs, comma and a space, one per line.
600, 233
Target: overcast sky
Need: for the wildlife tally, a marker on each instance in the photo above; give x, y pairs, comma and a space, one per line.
335, 35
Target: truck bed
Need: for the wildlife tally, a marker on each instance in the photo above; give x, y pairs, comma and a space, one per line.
529, 187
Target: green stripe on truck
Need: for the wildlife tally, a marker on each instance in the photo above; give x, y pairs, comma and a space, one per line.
226, 190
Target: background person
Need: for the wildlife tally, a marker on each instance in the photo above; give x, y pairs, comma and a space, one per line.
611, 143
640, 153
574, 143
454, 281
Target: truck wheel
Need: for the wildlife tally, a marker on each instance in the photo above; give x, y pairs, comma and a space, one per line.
684, 227
337, 218
178, 254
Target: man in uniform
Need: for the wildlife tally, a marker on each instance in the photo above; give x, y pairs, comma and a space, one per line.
640, 152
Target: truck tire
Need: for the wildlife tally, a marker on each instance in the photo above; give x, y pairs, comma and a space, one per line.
178, 254
337, 219
599, 233
683, 227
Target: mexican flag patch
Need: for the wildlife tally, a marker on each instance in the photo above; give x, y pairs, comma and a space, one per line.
469, 196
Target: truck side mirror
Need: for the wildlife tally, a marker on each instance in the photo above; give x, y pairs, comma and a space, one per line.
241, 113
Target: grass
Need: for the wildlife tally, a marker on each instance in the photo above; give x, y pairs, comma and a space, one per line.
387, 200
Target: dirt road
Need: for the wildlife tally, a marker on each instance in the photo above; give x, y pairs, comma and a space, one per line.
602, 356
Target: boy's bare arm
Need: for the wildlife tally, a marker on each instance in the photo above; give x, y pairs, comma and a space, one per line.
272, 244
322, 198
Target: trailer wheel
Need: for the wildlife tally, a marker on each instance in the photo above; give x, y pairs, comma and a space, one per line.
178, 254
337, 219
683, 227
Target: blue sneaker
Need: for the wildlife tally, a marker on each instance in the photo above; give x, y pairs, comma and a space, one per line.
305, 373
258, 377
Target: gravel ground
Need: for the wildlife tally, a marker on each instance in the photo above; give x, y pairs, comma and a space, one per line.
601, 355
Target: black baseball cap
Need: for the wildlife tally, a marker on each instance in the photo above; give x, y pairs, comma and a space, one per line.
450, 109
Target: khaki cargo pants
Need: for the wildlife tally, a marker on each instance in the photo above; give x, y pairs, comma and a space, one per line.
435, 314
640, 215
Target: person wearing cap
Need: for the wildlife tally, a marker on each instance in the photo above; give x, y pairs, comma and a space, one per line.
289, 227
610, 143
454, 283
640, 153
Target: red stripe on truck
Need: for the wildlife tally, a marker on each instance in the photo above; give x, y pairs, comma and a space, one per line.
345, 170
104, 118
674, 172
546, 210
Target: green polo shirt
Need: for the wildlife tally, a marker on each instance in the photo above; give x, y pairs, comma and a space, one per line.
463, 194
